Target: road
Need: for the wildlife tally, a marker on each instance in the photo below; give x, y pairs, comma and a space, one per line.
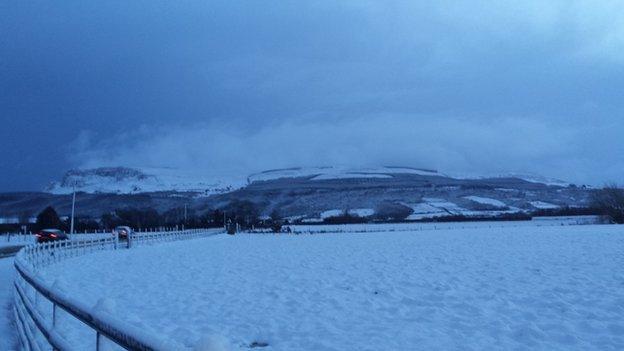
7, 336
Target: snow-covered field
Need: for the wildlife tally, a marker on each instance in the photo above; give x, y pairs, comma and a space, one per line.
506, 288
7, 336
418, 226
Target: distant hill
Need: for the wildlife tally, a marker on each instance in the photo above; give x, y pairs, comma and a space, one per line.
308, 194
124, 180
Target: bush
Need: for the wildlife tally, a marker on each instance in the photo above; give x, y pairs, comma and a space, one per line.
390, 211
243, 212
344, 218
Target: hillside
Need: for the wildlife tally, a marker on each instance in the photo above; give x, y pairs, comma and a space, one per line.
307, 194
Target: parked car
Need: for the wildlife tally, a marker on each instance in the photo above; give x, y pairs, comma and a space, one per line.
46, 235
123, 232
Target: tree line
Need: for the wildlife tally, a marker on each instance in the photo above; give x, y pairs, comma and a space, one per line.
607, 202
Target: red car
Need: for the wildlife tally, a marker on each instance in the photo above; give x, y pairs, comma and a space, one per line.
46, 235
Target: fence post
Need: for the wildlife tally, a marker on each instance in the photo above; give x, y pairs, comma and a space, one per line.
53, 314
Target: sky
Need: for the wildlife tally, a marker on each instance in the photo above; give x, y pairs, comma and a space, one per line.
230, 87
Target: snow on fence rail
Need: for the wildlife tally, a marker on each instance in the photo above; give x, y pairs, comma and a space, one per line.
36, 326
418, 226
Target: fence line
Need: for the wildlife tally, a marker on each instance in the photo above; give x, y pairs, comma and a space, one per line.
34, 327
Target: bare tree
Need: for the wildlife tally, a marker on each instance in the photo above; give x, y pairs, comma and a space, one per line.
610, 201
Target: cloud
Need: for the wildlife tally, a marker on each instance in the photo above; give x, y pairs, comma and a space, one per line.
471, 86
450, 144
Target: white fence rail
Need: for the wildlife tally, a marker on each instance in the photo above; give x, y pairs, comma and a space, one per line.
38, 328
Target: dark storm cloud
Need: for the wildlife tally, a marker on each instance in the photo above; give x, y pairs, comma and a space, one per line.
233, 86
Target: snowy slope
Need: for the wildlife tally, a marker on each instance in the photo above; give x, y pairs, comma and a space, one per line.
335, 172
532, 178
472, 289
543, 205
123, 180
361, 212
307, 192
486, 201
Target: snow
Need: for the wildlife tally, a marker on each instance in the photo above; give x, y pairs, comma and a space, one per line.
350, 176
547, 288
543, 205
444, 205
331, 213
338, 172
425, 210
7, 336
125, 180
427, 226
435, 207
145, 179
588, 219
362, 212
486, 201
532, 178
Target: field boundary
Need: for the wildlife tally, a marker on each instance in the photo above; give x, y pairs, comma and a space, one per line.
36, 326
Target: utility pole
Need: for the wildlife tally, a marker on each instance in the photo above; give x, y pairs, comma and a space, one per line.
71, 227
185, 218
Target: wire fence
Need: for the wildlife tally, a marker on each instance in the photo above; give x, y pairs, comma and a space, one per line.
38, 327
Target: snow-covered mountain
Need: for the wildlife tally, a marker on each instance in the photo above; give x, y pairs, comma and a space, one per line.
123, 180
533, 178
337, 172
310, 193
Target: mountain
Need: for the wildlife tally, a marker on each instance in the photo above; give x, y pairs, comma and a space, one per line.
308, 194
123, 180
313, 194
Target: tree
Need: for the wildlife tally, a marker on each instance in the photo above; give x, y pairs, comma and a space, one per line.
243, 212
211, 219
275, 215
345, 218
48, 218
110, 220
610, 201
391, 211
276, 221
